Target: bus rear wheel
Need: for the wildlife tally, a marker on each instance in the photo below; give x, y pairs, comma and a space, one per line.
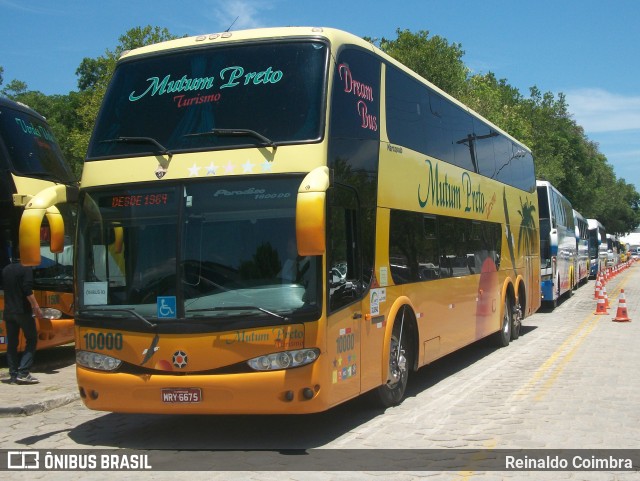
503, 336
516, 323
392, 392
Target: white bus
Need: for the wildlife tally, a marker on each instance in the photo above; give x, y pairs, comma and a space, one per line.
557, 243
597, 247
581, 265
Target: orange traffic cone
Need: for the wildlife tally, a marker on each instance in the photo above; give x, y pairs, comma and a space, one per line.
601, 308
596, 293
603, 293
622, 315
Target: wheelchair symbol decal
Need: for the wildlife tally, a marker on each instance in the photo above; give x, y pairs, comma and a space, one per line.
166, 306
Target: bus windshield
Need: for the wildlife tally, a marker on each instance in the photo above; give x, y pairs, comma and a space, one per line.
214, 98
31, 148
233, 257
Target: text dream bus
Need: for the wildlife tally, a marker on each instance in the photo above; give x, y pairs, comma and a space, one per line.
31, 161
278, 220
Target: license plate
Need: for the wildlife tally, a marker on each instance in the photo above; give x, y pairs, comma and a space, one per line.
182, 395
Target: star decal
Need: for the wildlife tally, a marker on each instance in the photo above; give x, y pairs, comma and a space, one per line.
194, 171
247, 167
211, 169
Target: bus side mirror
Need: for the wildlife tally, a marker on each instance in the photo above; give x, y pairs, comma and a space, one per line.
311, 213
40, 205
56, 227
29, 237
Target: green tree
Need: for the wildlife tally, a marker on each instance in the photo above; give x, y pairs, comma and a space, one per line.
500, 103
14, 88
93, 79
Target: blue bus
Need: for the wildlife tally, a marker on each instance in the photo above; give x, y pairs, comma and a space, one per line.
558, 249
597, 247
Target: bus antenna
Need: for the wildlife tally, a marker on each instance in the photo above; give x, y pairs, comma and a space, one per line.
232, 23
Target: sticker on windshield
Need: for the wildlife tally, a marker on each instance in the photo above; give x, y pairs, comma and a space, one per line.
95, 293
166, 307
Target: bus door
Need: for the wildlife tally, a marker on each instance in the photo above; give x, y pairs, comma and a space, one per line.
344, 294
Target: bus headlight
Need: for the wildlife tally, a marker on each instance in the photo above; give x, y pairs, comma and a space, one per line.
100, 362
284, 360
51, 313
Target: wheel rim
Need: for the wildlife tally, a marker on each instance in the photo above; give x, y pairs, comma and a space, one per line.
517, 320
506, 321
397, 363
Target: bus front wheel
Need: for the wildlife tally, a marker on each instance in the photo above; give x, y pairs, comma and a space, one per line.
392, 392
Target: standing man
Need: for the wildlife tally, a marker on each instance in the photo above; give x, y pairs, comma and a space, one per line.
20, 311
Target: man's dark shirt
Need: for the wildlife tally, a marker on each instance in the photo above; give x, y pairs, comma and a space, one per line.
17, 281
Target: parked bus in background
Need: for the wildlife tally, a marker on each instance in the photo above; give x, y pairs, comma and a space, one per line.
631, 241
278, 220
581, 265
597, 247
613, 250
31, 161
558, 249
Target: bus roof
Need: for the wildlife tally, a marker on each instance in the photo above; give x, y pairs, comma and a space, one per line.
594, 224
7, 102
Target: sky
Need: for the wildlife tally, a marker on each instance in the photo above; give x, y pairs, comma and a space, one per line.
589, 50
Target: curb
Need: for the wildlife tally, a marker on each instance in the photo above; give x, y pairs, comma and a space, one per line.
40, 407
57, 385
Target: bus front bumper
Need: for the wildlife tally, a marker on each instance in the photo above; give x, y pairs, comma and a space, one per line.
291, 391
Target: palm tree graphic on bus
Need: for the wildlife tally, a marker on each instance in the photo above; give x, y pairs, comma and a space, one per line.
527, 233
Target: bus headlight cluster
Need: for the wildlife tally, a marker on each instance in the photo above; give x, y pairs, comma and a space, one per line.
100, 362
284, 360
51, 313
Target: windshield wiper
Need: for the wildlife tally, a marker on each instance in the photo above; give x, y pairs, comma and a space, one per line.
235, 133
128, 311
241, 308
140, 140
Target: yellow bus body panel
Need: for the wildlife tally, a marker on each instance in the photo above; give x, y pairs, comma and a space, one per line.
51, 332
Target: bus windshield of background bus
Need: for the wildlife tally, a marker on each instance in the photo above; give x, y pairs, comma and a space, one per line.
176, 98
234, 255
31, 147
55, 271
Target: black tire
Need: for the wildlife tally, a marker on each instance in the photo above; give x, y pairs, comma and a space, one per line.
516, 321
392, 393
503, 336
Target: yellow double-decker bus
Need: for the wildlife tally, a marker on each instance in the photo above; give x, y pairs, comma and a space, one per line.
31, 162
279, 220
